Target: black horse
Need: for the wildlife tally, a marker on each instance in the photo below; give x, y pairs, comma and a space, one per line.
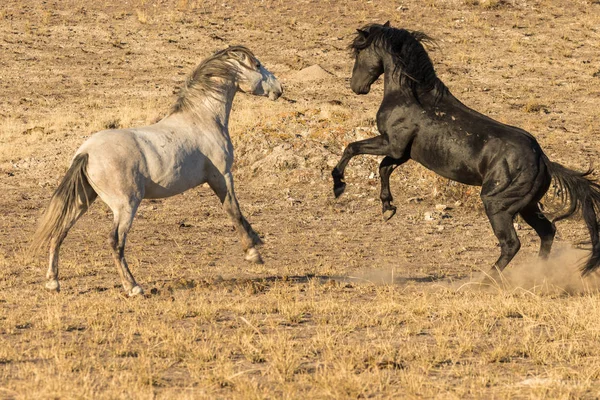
420, 119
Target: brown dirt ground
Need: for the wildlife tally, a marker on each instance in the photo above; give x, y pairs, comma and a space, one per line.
70, 68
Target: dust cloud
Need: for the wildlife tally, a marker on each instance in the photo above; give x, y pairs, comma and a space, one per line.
559, 274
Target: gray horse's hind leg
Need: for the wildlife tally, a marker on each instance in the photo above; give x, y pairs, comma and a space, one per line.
222, 185
82, 204
123, 218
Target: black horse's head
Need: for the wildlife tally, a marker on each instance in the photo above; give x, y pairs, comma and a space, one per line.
376, 46
368, 65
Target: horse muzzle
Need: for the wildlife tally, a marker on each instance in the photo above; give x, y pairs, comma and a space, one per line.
276, 92
361, 90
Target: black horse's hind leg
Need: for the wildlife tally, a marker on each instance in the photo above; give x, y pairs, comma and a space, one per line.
377, 146
544, 228
502, 225
500, 195
387, 166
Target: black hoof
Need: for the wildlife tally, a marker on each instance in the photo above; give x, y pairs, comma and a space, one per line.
389, 212
338, 182
338, 189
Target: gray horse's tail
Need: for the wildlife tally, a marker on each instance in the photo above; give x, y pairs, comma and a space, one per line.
582, 193
71, 198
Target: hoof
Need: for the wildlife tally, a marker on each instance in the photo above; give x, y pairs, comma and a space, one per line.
136, 290
493, 277
53, 286
338, 189
338, 182
389, 213
253, 256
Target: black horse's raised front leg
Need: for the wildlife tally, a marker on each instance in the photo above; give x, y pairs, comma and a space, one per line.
377, 146
387, 166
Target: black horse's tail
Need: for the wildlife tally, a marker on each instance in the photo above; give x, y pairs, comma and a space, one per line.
581, 193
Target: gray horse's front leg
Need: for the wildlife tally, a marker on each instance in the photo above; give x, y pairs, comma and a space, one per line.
222, 185
123, 218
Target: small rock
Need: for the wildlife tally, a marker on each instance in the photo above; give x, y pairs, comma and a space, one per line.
441, 207
293, 201
440, 228
457, 203
372, 175
429, 216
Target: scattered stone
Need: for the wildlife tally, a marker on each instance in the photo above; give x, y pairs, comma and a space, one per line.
441, 207
429, 216
293, 201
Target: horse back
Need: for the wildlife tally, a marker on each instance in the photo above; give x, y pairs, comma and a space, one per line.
146, 161
455, 141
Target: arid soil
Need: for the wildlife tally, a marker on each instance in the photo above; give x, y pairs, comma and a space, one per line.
345, 306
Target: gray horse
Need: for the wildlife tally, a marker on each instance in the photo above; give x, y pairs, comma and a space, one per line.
189, 147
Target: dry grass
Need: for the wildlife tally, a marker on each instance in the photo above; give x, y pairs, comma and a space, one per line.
300, 337
345, 306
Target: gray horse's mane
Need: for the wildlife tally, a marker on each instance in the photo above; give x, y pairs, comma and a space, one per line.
206, 79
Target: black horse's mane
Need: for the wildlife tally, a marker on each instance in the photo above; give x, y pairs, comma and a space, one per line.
413, 67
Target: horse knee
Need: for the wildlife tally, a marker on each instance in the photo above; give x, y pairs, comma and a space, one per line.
511, 246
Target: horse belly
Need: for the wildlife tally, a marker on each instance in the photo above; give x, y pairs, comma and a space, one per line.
176, 179
455, 162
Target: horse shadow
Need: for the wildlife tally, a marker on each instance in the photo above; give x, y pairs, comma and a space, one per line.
264, 283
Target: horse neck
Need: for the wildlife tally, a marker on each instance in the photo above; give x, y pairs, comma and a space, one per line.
391, 83
214, 106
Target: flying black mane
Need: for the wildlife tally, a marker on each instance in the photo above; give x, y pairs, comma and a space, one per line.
413, 67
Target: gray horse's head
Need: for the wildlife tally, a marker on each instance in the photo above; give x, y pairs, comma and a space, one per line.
252, 76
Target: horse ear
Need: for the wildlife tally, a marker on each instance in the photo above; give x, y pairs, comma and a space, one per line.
362, 33
387, 24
